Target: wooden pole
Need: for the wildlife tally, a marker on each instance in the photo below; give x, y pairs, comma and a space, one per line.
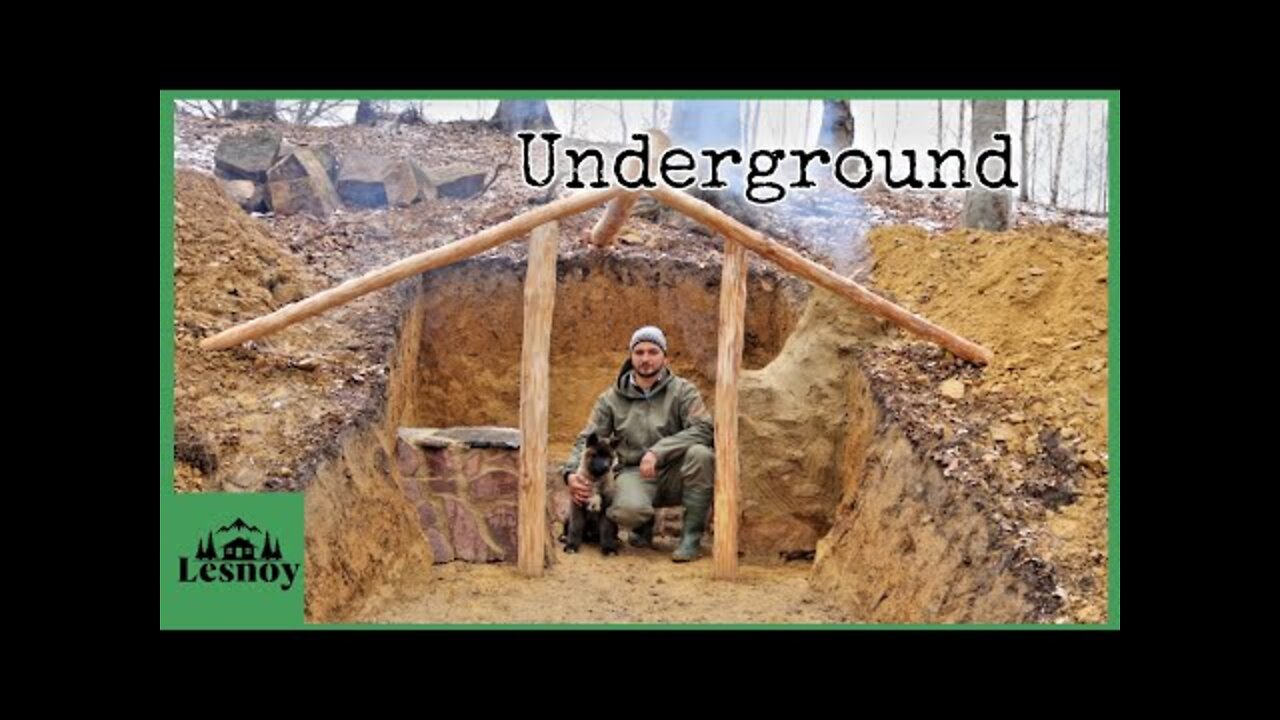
733, 305
535, 380
796, 263
412, 265
615, 215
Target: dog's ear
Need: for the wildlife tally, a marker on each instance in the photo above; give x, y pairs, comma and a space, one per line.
614, 441
593, 439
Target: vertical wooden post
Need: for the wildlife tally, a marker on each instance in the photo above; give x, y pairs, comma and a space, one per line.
733, 303
535, 380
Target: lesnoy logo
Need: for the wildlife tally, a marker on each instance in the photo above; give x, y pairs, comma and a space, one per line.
240, 553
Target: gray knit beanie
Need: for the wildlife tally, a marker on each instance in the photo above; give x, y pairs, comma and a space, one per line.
649, 333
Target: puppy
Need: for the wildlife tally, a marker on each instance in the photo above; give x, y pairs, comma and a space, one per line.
598, 458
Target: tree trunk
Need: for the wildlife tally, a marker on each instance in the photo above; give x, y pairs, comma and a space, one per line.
1104, 165
985, 208
939, 125
897, 107
513, 115
1035, 147
1057, 165
836, 132
755, 127
1088, 149
1024, 190
365, 114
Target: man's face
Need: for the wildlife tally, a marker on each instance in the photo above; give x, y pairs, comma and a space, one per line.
647, 359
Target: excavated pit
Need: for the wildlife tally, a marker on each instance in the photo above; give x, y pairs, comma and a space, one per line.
824, 472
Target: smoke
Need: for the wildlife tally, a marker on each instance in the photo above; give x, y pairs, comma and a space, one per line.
828, 219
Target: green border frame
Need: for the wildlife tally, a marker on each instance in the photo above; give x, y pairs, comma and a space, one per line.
167, 494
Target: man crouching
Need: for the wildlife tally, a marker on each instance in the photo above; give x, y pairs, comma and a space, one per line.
664, 440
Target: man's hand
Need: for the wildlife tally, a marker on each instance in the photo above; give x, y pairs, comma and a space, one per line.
579, 489
649, 466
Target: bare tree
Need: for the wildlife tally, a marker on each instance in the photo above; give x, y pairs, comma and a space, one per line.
207, 108
1104, 165
897, 107
1035, 146
1026, 181
522, 115
1088, 148
939, 125
808, 116
1056, 184
622, 116
654, 122
983, 207
333, 114
874, 143
306, 112
961, 130
573, 118
198, 107
755, 127
1106, 196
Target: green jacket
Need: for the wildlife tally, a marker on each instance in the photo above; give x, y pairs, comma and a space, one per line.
668, 420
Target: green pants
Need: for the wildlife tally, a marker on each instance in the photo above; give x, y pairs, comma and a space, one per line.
635, 497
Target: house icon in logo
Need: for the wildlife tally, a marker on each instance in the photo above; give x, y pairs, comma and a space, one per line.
238, 549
